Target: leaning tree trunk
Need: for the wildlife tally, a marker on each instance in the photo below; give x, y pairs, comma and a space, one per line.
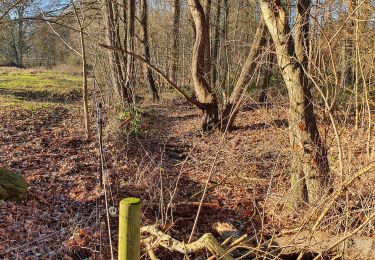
309, 171
201, 70
232, 106
146, 47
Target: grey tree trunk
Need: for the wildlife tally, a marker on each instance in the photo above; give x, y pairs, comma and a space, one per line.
309, 167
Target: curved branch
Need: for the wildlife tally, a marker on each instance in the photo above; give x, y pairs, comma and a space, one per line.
159, 72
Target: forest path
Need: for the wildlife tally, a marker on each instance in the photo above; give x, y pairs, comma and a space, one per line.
44, 139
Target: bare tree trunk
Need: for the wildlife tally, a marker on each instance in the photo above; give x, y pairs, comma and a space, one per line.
207, 49
270, 60
84, 90
200, 67
84, 73
147, 71
20, 41
215, 48
247, 73
225, 56
117, 76
309, 171
130, 70
125, 39
348, 72
175, 39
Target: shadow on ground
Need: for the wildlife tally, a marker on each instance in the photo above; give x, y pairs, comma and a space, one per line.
43, 96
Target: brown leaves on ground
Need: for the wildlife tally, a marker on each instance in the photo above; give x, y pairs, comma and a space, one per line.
63, 215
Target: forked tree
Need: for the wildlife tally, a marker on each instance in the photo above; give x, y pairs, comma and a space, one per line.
309, 169
217, 114
207, 97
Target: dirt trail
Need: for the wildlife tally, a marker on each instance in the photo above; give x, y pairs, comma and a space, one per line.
59, 218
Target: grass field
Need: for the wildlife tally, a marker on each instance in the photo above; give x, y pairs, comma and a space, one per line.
33, 88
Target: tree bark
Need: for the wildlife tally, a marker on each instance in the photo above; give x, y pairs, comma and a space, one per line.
20, 39
84, 73
309, 169
146, 48
270, 60
175, 39
84, 86
117, 75
232, 107
215, 48
130, 70
200, 67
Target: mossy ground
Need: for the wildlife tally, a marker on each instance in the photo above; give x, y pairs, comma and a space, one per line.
12, 186
32, 89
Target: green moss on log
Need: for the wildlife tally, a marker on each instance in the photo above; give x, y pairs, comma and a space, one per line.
12, 186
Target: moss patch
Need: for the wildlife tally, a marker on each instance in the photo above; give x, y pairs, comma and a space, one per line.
12, 186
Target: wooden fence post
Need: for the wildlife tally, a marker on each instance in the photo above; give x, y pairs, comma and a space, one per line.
129, 229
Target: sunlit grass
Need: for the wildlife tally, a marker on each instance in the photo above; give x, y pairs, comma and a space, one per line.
35, 88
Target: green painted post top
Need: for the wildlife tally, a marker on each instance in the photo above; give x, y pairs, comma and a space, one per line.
129, 229
131, 201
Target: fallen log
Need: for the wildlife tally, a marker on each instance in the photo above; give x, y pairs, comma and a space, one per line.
207, 241
317, 244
